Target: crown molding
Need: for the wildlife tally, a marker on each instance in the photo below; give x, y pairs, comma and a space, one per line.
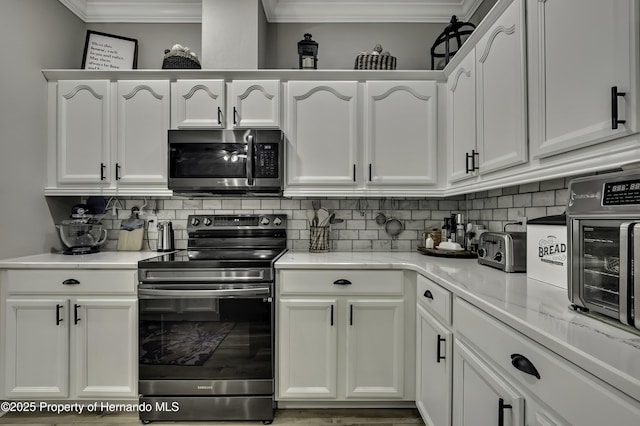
145, 11
278, 11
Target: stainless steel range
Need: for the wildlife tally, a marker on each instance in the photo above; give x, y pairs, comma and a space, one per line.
206, 322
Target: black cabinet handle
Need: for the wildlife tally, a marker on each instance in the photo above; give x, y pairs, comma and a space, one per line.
235, 115
439, 354
428, 294
475, 154
75, 313
614, 107
102, 167
354, 172
468, 157
350, 314
58, 317
219, 116
501, 407
117, 171
71, 281
369, 172
523, 364
342, 282
332, 315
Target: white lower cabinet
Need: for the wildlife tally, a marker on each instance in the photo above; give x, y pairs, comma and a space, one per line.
341, 336
69, 339
494, 362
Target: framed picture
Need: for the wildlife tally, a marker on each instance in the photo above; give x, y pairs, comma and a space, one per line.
109, 52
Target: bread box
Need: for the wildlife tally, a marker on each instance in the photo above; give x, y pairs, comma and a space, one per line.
547, 250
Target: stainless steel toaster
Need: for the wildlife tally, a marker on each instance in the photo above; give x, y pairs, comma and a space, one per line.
503, 250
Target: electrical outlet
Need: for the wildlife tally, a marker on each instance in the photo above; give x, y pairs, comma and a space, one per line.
523, 221
152, 222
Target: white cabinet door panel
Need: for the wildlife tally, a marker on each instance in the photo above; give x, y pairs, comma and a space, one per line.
308, 348
143, 121
500, 100
37, 348
104, 355
255, 103
401, 132
322, 123
84, 132
571, 72
197, 104
375, 348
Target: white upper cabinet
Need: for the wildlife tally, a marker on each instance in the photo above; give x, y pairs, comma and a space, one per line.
400, 133
83, 132
572, 72
255, 103
203, 104
143, 120
501, 92
197, 103
461, 119
110, 137
322, 133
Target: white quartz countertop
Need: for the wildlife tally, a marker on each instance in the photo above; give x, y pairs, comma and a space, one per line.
536, 309
100, 260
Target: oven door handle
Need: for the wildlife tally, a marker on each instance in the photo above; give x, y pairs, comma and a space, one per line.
145, 293
623, 273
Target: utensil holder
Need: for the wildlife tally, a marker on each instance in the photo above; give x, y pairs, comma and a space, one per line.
319, 239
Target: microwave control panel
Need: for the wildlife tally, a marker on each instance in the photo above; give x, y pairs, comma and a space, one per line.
267, 159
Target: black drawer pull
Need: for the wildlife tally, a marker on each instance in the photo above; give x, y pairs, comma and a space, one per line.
58, 318
439, 355
75, 313
523, 364
71, 281
342, 281
501, 407
428, 294
332, 315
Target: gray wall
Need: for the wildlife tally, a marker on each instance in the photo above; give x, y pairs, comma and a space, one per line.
37, 34
153, 39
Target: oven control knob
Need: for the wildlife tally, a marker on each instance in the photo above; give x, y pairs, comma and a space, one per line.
482, 252
195, 221
207, 221
264, 221
277, 221
498, 257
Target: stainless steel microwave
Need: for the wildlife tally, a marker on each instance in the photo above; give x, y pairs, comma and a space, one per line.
603, 215
218, 162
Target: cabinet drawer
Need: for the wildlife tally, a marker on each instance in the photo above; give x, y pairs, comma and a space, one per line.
305, 281
88, 281
434, 298
577, 396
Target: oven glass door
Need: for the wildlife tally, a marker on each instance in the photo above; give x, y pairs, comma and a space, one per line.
215, 160
599, 261
205, 335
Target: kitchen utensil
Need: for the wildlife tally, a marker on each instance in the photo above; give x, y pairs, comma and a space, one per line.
311, 217
165, 236
81, 237
381, 219
393, 228
323, 216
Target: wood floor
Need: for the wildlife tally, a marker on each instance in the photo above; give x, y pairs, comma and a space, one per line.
288, 417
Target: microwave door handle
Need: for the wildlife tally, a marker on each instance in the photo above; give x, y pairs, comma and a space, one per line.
636, 275
623, 275
250, 147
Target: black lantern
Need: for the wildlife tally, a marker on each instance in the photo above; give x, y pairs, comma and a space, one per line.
308, 53
456, 31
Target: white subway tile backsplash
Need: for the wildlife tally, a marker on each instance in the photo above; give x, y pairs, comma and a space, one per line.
359, 230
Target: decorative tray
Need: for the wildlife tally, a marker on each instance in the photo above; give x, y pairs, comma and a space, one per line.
461, 254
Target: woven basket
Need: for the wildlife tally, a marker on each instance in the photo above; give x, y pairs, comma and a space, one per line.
375, 62
176, 59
